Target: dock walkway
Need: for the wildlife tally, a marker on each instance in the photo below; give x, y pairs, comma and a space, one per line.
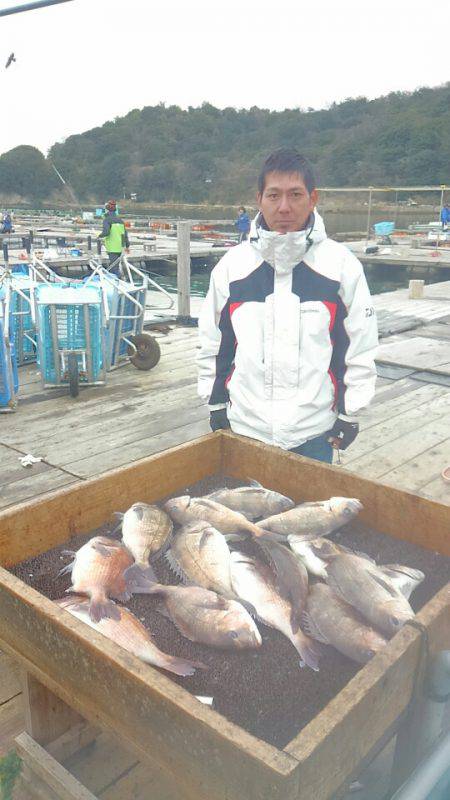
404, 439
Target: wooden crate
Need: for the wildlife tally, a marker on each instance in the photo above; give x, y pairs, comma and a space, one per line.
71, 671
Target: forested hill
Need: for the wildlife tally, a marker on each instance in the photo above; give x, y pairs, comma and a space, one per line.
207, 154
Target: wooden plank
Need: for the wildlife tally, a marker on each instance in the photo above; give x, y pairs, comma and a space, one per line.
152, 714
391, 431
417, 352
82, 430
46, 716
29, 529
10, 685
47, 769
416, 473
399, 514
76, 738
329, 749
119, 456
141, 783
11, 723
438, 490
32, 485
99, 767
386, 457
132, 439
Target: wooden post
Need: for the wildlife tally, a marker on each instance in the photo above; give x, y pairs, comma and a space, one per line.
416, 289
368, 213
46, 716
184, 271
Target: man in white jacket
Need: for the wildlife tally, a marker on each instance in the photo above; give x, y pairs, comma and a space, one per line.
288, 333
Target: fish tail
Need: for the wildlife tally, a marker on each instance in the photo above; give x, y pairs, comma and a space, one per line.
101, 607
307, 650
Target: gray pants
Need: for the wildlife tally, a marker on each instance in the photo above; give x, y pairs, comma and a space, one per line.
112, 258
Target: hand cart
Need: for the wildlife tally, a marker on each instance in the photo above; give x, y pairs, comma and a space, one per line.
71, 334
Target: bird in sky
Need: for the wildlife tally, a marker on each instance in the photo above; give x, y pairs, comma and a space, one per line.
10, 60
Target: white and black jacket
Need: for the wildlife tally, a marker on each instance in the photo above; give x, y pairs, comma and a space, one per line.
288, 335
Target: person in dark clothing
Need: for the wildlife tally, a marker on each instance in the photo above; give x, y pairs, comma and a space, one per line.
114, 236
243, 224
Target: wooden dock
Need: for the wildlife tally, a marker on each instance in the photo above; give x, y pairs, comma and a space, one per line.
404, 439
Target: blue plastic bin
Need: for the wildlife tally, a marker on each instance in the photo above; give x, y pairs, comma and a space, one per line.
384, 228
70, 318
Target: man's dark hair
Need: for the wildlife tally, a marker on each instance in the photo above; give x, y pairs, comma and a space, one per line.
287, 159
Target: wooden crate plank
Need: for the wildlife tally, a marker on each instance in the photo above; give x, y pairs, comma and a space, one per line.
154, 716
12, 723
46, 716
48, 770
101, 765
397, 513
141, 783
29, 529
369, 704
10, 685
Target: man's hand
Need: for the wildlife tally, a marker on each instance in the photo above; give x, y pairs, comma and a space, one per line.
343, 433
127, 251
218, 419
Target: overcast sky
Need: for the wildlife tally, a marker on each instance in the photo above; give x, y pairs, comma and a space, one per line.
88, 61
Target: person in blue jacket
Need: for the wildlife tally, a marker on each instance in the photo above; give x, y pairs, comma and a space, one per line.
6, 223
243, 224
445, 216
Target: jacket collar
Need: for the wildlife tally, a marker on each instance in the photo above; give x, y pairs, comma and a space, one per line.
284, 250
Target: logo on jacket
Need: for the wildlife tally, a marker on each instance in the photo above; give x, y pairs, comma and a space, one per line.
370, 311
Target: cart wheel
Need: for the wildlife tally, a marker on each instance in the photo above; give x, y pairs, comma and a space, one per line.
148, 351
72, 368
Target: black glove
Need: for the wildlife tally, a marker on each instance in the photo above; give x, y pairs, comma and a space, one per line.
343, 433
218, 419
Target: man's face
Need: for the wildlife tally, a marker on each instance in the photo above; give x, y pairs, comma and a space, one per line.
285, 202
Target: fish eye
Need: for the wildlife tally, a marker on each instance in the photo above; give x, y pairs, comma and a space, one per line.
396, 622
347, 511
234, 635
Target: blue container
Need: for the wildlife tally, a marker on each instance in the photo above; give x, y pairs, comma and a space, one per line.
72, 313
384, 228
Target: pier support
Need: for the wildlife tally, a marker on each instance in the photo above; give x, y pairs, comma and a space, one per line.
184, 272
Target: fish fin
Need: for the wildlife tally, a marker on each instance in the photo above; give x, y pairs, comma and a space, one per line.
308, 651
102, 549
204, 538
411, 572
180, 666
124, 597
100, 609
256, 484
65, 570
175, 567
235, 537
139, 512
310, 627
383, 581
271, 536
136, 579
69, 553
119, 514
360, 554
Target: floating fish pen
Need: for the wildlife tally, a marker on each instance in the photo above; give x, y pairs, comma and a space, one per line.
313, 733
